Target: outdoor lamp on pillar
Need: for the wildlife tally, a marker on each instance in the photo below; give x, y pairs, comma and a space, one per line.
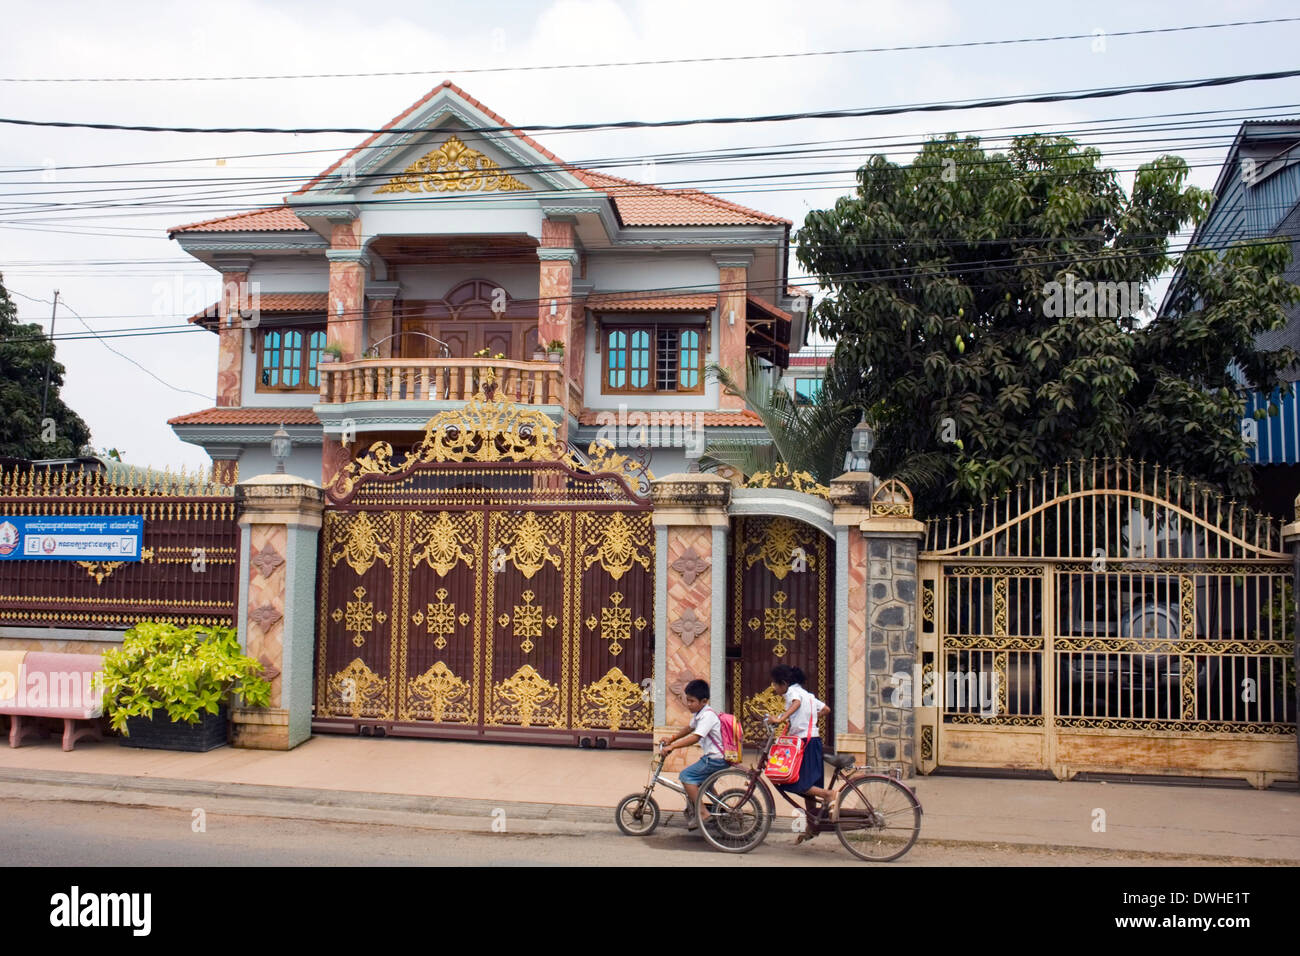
280, 444
860, 445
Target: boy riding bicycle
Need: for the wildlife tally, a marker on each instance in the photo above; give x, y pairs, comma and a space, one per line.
706, 730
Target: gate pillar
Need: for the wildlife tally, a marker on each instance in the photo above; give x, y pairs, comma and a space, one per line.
691, 526
876, 657
280, 520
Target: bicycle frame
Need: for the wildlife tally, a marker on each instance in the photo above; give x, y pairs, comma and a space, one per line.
839, 778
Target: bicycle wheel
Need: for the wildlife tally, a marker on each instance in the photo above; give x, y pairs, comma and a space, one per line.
733, 778
879, 818
738, 817
635, 817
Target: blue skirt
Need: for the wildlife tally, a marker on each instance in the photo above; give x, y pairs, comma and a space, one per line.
811, 771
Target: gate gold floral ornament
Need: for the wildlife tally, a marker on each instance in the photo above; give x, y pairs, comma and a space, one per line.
532, 545
776, 547
615, 623
438, 695
357, 691
528, 621
441, 619
777, 624
453, 167
362, 535
526, 698
615, 702
622, 544
360, 616
757, 706
440, 542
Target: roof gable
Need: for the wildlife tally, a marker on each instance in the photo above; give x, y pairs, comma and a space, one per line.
447, 110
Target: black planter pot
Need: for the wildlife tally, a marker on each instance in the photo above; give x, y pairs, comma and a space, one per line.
161, 733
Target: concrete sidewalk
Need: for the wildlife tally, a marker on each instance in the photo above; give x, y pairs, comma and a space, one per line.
453, 785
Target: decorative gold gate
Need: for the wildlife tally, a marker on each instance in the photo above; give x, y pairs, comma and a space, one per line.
1108, 617
781, 612
491, 584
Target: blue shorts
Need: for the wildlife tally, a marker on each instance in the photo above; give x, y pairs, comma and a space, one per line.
701, 770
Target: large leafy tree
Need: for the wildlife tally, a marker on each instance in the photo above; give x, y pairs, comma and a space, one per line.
24, 352
965, 284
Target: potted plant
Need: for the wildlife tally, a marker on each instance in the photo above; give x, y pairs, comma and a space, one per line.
539, 352
190, 673
555, 351
331, 353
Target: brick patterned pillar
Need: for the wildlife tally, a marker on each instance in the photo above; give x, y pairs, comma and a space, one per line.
691, 524
733, 280
235, 290
347, 302
280, 518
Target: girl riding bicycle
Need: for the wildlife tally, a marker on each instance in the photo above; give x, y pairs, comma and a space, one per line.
802, 710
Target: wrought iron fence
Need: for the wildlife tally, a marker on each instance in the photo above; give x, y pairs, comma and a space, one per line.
1111, 596
189, 563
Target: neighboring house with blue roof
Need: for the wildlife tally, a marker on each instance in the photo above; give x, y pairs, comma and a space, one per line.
1258, 195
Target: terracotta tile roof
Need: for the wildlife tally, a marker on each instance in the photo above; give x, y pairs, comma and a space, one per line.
648, 302
798, 293
769, 308
638, 204
248, 416
274, 302
810, 361
275, 219
742, 418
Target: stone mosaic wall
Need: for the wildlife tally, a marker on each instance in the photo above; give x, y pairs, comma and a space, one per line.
891, 649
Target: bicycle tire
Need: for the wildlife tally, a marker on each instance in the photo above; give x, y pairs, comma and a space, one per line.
740, 779
629, 823
738, 821
879, 818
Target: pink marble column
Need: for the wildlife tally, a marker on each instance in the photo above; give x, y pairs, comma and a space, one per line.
230, 351
555, 282
732, 282
347, 289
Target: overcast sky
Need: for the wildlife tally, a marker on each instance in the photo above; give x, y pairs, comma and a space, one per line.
111, 264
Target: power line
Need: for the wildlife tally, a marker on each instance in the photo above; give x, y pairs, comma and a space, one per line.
669, 62
938, 107
96, 335
1239, 116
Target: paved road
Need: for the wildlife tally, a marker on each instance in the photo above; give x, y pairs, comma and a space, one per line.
45, 833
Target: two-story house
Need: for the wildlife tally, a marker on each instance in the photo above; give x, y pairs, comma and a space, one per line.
451, 241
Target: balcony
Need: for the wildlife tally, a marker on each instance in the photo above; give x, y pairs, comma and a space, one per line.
403, 394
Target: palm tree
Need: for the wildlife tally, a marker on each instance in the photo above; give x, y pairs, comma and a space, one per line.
812, 437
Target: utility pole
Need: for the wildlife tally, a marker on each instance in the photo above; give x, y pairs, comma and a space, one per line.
54, 310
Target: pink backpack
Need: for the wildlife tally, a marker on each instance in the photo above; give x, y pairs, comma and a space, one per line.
732, 743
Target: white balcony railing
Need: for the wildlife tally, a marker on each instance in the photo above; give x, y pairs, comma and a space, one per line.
440, 379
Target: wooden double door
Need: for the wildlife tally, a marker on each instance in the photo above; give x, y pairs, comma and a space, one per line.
514, 339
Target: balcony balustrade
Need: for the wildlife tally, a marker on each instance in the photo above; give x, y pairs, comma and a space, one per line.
438, 380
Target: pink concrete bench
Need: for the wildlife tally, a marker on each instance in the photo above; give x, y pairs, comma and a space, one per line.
38, 684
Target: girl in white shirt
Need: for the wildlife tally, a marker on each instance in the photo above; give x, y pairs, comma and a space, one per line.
802, 710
